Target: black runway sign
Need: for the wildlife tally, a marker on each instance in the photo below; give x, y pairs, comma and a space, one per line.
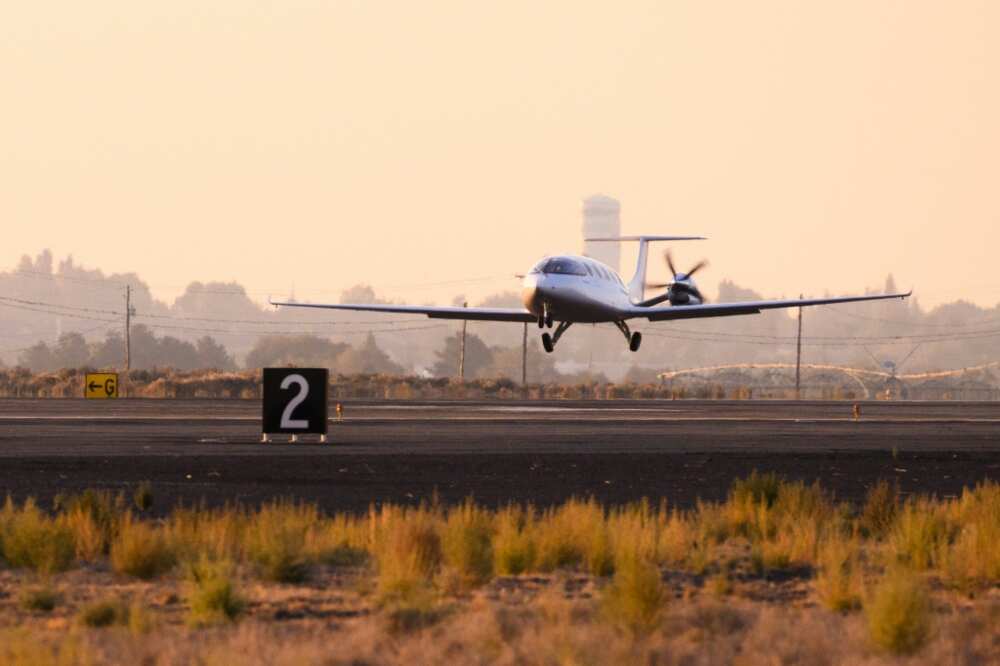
295, 401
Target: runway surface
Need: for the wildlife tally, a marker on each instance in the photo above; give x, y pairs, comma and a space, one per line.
542, 452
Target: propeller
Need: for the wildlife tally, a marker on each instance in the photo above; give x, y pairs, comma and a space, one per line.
677, 276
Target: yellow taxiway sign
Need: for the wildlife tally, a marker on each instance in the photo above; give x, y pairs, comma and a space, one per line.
101, 385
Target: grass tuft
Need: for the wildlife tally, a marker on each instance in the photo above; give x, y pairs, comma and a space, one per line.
635, 598
104, 613
276, 541
41, 599
30, 539
466, 544
143, 496
513, 544
899, 612
141, 550
407, 552
211, 593
880, 508
838, 582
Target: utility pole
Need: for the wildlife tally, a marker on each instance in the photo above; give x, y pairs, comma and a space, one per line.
798, 357
128, 336
128, 327
461, 353
524, 357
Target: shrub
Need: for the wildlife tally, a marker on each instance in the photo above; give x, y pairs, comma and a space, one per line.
838, 582
143, 496
635, 597
573, 534
42, 598
340, 541
756, 489
93, 517
30, 539
880, 509
919, 533
140, 550
513, 545
211, 593
407, 551
899, 612
466, 545
197, 532
275, 541
103, 614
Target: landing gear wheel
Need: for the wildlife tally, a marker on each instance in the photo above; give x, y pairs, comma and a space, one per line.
541, 321
635, 341
548, 319
547, 342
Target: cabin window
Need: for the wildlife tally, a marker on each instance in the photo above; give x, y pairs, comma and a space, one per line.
564, 266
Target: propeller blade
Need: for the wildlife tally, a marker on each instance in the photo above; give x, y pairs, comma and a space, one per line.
658, 285
697, 267
670, 262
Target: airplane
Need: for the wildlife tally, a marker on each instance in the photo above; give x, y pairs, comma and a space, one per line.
568, 289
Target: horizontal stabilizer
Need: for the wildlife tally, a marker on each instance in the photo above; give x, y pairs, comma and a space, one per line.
643, 238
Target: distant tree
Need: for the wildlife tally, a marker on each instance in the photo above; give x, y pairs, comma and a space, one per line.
477, 356
71, 351
297, 350
38, 358
211, 354
506, 362
108, 353
366, 359
360, 293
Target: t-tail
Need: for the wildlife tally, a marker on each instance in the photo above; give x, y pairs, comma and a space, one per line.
637, 285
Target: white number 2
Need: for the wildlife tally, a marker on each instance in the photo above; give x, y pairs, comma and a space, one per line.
286, 416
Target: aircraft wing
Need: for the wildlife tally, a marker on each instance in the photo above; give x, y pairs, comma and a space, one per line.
670, 312
472, 314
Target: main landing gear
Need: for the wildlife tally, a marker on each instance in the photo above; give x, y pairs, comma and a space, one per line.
545, 319
549, 341
634, 339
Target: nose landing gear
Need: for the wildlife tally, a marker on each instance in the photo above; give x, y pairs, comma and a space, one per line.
549, 341
633, 339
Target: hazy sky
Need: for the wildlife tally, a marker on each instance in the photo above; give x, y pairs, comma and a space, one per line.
821, 145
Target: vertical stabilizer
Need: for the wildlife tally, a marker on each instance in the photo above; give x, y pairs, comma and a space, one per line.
637, 285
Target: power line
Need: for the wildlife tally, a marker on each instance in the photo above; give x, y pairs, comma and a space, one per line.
54, 341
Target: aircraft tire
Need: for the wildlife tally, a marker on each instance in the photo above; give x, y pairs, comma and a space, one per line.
635, 341
547, 342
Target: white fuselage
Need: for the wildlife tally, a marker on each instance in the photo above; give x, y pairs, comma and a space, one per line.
575, 289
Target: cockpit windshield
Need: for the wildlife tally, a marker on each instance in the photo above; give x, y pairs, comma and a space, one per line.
563, 266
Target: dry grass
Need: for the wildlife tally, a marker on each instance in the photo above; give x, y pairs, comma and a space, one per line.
513, 544
407, 548
635, 598
211, 593
31, 539
403, 566
38, 598
839, 583
104, 613
275, 541
141, 550
899, 613
467, 544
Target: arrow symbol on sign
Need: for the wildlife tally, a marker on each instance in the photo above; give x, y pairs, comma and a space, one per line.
93, 386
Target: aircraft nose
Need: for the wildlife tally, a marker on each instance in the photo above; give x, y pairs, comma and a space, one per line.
531, 291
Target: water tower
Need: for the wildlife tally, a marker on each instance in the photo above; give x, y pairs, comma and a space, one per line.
601, 218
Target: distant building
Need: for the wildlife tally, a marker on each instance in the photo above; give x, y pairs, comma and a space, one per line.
602, 217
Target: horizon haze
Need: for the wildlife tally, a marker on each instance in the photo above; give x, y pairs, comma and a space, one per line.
439, 147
